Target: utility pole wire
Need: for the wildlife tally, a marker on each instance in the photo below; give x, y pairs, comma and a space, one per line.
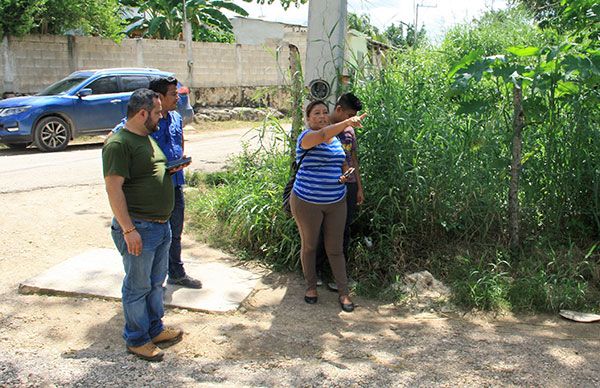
416, 27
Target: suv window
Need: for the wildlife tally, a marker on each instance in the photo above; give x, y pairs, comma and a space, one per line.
104, 85
130, 83
61, 86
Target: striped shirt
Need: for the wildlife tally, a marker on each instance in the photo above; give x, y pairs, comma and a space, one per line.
317, 180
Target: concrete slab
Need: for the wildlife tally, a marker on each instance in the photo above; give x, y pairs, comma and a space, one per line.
99, 272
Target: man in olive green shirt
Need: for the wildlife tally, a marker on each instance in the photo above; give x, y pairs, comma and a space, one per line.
140, 192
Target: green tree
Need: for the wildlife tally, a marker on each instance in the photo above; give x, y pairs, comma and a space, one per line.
17, 17
163, 19
542, 10
565, 15
543, 82
398, 36
492, 33
362, 23
90, 17
395, 35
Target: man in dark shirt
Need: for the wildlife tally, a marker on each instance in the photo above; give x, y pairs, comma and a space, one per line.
169, 137
140, 192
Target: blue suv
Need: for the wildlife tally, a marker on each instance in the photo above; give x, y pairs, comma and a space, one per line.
87, 102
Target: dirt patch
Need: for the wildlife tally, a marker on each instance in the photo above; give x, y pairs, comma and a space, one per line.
275, 339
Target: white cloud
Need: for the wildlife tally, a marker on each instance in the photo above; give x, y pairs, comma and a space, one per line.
436, 15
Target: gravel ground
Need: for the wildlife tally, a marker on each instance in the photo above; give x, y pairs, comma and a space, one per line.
275, 339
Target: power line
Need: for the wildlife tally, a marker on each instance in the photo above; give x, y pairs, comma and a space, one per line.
367, 7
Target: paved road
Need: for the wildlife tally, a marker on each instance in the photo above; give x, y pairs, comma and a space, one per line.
81, 164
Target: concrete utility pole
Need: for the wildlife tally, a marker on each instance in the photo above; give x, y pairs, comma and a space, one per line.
187, 35
325, 48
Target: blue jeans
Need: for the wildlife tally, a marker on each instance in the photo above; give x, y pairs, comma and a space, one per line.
144, 275
176, 270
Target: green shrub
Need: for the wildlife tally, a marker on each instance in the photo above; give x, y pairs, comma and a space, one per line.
481, 284
242, 209
435, 169
491, 282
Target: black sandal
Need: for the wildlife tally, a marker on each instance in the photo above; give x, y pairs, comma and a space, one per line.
347, 307
311, 299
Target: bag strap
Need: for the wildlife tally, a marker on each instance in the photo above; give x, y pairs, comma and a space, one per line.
301, 159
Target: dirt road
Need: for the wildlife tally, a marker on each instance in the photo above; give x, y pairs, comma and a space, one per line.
80, 164
54, 207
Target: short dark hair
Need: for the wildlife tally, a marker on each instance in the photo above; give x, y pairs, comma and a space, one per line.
141, 99
161, 84
314, 103
349, 101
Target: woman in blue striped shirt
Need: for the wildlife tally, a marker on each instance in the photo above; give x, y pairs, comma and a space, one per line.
318, 198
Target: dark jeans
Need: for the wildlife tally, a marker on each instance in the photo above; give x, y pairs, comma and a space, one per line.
176, 270
351, 208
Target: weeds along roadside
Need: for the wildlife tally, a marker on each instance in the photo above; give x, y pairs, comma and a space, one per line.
436, 180
240, 209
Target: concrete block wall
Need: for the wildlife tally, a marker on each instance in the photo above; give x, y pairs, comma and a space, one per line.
96, 53
259, 66
39, 60
215, 65
167, 55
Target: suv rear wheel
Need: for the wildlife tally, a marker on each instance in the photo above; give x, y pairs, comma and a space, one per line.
52, 134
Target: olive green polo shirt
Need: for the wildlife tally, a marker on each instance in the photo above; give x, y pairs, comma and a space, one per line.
148, 187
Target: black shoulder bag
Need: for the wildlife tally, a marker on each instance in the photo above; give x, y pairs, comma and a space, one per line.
287, 191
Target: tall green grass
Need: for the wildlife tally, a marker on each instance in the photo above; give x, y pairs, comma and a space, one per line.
240, 209
436, 172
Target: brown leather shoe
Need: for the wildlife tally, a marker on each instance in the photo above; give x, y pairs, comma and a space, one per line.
169, 336
147, 351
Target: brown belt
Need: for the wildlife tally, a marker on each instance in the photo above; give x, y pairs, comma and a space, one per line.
154, 220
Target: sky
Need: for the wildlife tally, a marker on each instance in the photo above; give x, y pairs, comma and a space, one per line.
436, 15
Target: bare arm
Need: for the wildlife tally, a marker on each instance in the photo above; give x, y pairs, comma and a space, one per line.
118, 204
360, 196
345, 168
314, 138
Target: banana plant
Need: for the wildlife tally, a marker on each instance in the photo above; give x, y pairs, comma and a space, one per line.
163, 19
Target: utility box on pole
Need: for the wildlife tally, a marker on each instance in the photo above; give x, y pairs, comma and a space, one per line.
325, 48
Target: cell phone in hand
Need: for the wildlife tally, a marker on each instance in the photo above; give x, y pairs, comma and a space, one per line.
348, 172
178, 162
